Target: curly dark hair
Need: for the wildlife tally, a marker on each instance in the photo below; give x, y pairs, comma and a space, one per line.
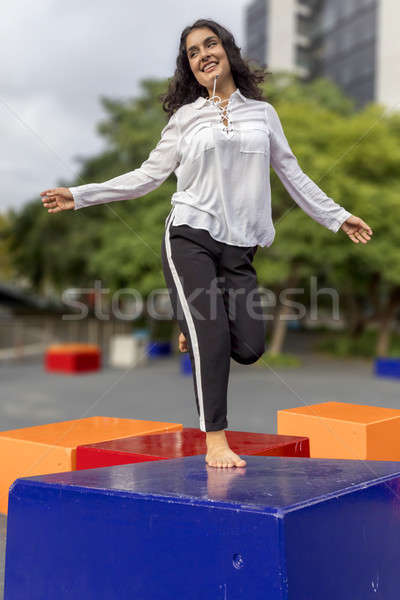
184, 88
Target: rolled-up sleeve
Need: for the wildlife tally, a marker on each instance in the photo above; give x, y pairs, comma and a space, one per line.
301, 188
161, 162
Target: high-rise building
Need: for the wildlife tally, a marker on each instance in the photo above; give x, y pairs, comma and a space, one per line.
356, 43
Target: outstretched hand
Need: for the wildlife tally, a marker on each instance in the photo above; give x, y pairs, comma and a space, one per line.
57, 199
357, 230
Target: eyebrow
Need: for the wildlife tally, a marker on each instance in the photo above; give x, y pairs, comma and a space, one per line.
210, 37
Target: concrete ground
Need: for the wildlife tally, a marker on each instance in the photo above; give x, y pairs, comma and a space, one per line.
30, 396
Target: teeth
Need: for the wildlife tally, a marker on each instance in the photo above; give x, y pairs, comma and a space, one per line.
209, 66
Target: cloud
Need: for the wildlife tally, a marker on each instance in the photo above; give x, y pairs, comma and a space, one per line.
58, 58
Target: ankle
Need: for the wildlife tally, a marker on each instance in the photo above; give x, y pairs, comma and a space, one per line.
216, 438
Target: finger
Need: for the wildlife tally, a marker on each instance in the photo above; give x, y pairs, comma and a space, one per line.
368, 231
365, 235
366, 227
353, 238
360, 237
364, 231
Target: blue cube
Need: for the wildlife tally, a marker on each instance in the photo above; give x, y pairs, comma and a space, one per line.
186, 365
156, 349
387, 367
281, 528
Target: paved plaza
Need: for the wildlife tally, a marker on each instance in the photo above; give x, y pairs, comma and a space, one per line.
157, 391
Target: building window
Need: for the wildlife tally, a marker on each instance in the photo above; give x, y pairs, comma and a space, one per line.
303, 25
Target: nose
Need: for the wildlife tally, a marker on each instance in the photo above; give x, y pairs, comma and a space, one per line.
205, 57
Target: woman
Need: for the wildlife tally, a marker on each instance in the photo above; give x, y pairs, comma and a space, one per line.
220, 139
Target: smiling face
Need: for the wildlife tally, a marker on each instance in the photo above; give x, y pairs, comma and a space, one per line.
203, 47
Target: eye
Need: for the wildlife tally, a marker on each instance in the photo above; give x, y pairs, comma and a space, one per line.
212, 43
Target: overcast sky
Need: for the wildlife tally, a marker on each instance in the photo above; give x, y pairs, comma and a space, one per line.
58, 57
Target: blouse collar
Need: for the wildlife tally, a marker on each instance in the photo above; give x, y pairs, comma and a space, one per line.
201, 100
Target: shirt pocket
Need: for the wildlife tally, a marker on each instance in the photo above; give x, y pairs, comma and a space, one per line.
254, 139
200, 140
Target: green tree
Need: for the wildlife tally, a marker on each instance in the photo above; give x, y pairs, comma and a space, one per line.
6, 265
352, 155
355, 158
118, 243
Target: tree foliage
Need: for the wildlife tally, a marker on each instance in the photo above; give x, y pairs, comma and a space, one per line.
354, 156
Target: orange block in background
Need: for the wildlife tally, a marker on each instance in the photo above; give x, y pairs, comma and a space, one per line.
341, 430
51, 448
89, 348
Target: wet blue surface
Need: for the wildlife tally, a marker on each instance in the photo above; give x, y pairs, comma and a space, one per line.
281, 528
266, 483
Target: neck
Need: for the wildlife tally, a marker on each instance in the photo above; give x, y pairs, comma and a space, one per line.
223, 89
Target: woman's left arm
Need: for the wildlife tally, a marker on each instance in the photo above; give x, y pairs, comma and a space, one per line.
304, 191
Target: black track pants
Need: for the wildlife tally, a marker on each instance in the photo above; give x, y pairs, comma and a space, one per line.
215, 299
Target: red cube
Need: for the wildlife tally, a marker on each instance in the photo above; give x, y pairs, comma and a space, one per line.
73, 358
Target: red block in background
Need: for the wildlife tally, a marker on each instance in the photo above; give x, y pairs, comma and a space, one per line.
187, 442
73, 358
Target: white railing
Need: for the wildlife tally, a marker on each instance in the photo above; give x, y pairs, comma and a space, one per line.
27, 335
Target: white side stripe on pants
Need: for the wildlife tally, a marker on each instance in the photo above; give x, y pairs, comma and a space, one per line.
189, 320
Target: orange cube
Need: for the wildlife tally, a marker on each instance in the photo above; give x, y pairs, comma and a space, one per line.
51, 448
342, 430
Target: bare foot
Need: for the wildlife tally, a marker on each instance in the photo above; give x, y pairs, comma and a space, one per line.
224, 457
218, 452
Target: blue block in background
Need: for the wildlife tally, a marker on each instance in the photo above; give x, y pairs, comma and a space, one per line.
387, 367
278, 529
186, 365
156, 349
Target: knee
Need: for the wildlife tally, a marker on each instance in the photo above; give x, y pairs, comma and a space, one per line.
248, 355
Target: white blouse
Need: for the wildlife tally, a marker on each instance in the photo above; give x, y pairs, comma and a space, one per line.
223, 172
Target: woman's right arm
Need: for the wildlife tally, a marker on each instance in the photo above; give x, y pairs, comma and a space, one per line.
162, 160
